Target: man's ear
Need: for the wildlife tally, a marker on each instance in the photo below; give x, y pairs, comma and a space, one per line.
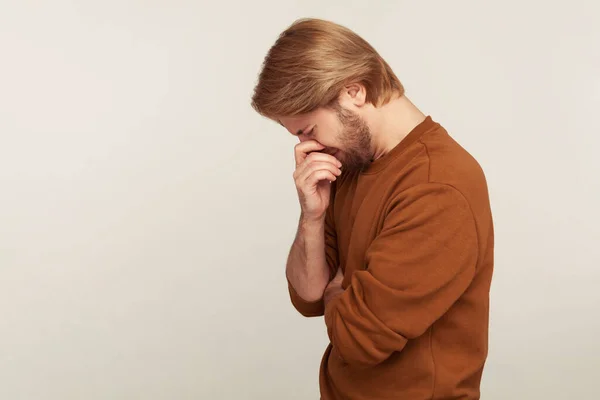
355, 94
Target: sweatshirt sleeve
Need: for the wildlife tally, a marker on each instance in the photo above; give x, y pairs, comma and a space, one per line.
316, 308
420, 263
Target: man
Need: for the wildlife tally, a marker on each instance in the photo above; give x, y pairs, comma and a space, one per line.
395, 240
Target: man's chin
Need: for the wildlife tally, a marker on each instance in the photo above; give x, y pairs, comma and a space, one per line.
349, 163
352, 164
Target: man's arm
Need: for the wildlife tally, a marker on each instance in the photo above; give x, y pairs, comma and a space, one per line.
418, 266
307, 271
311, 264
314, 251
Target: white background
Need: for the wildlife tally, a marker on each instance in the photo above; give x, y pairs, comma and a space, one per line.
146, 211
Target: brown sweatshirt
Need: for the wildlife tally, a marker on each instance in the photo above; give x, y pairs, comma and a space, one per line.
413, 235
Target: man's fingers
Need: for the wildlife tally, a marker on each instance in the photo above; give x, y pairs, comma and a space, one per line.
338, 278
313, 179
301, 150
303, 174
316, 156
317, 160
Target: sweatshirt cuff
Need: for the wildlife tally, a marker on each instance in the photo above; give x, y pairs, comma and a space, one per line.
306, 308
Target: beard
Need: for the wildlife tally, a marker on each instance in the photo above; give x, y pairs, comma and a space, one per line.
356, 143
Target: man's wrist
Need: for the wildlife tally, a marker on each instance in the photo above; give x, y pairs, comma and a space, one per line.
312, 222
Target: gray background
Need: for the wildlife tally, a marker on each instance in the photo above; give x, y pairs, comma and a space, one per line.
146, 211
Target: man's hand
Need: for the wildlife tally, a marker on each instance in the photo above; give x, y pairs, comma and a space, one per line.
313, 176
334, 288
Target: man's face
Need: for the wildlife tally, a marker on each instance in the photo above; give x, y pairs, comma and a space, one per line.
344, 134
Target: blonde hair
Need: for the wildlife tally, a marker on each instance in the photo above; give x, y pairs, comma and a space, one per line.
311, 62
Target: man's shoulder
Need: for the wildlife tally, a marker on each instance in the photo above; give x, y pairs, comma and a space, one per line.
450, 163
442, 171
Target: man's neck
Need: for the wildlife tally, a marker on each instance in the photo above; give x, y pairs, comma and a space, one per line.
394, 121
